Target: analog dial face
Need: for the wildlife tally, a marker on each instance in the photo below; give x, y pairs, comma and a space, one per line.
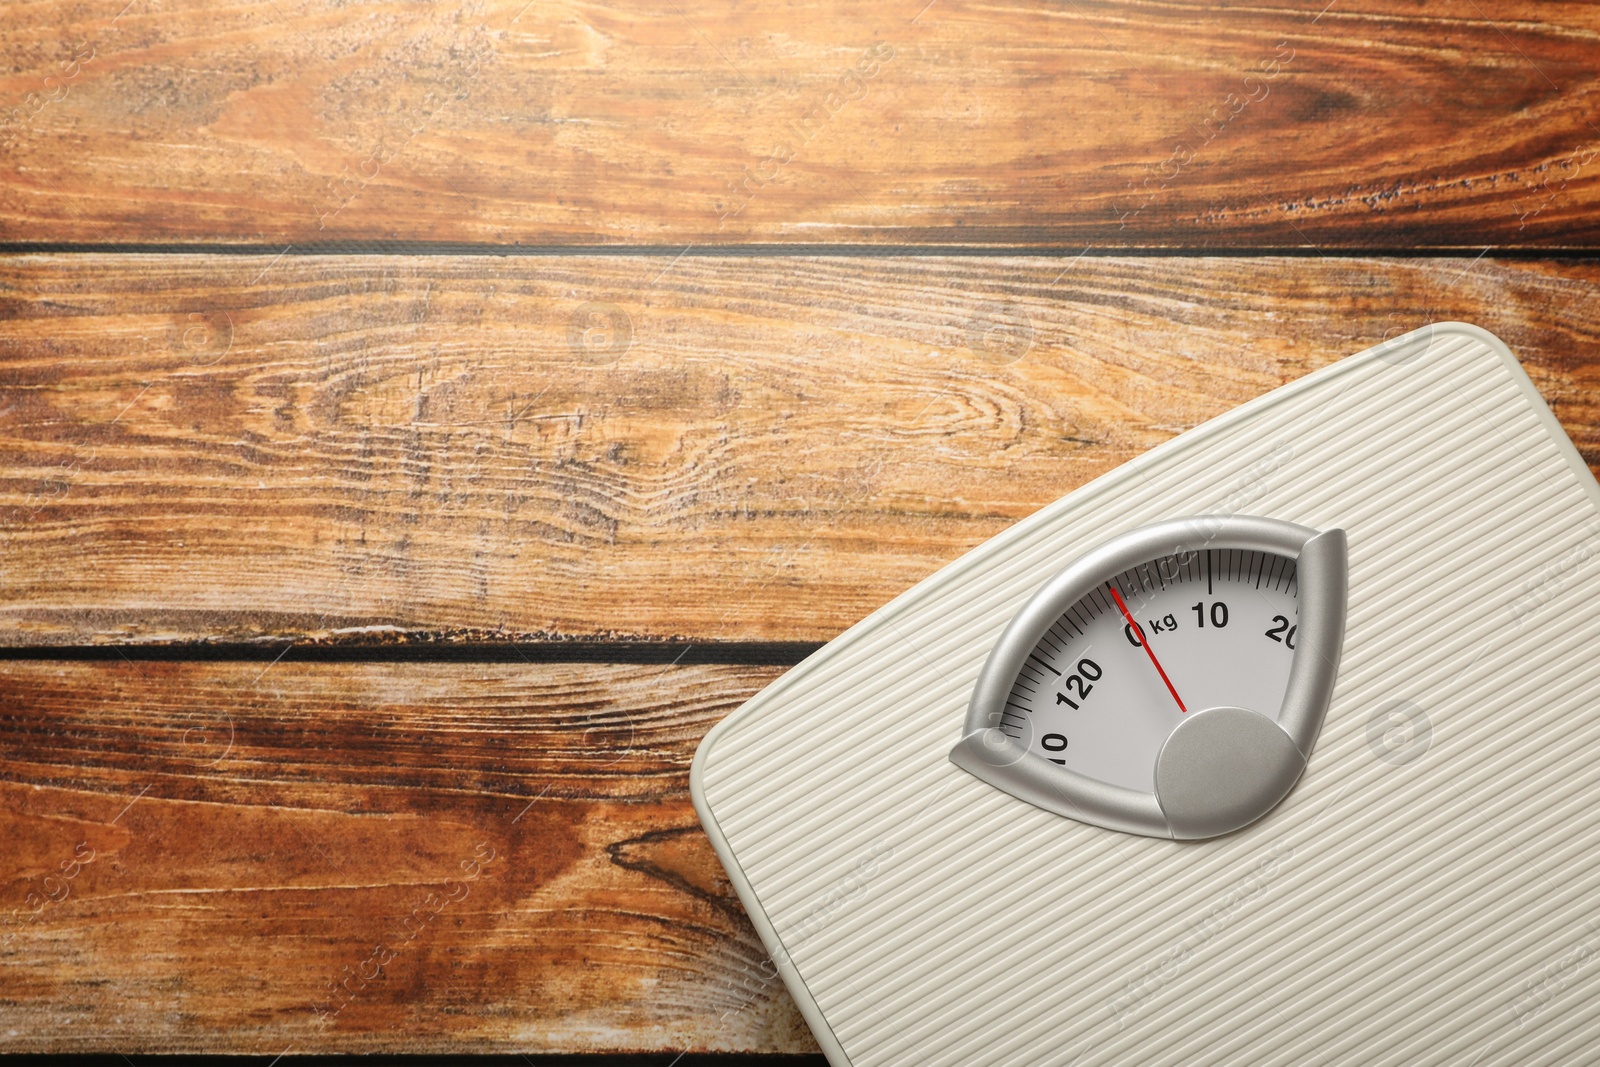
1119, 670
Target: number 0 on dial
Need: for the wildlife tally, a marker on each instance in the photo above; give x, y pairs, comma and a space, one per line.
1170, 682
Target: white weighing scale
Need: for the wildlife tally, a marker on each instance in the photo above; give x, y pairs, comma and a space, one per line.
1278, 745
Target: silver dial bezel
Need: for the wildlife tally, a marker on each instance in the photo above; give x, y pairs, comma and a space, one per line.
1004, 762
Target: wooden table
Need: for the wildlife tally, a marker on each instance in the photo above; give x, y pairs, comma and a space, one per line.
419, 423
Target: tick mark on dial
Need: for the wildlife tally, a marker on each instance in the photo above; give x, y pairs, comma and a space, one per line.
1043, 664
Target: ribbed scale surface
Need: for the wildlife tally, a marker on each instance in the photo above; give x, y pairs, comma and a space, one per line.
1402, 911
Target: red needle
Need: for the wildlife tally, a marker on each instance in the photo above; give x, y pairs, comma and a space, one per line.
1153, 661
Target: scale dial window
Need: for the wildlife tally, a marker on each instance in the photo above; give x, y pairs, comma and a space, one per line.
1223, 625
1170, 681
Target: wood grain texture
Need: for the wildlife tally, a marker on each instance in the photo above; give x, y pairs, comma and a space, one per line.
519, 840
370, 449
1362, 123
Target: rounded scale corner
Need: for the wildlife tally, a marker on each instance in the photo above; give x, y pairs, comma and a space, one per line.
1474, 331
810, 1011
1519, 374
697, 768
705, 751
697, 788
1406, 347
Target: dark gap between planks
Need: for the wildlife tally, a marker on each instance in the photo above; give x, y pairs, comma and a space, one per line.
712, 1059
740, 653
1555, 253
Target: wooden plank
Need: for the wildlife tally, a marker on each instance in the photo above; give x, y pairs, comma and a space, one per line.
713, 449
1113, 124
196, 853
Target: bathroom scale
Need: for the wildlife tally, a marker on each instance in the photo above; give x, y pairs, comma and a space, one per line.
1279, 744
